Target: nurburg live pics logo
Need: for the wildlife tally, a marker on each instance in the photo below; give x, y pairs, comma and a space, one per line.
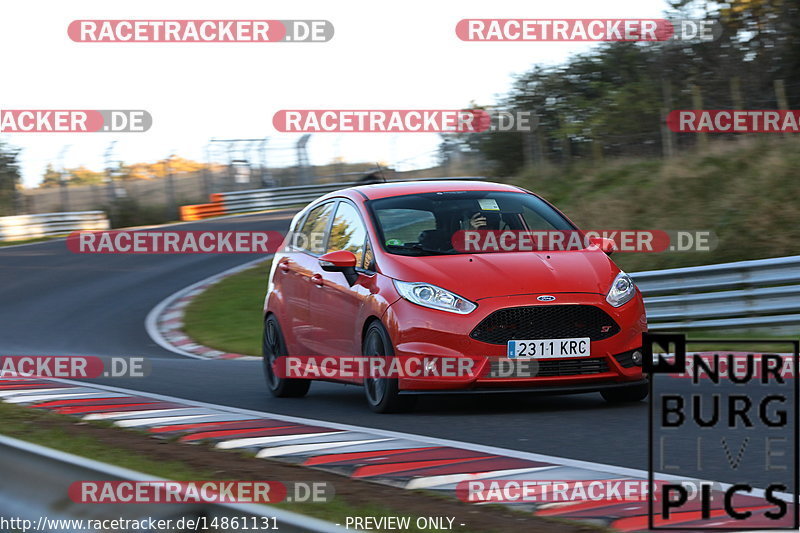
740, 424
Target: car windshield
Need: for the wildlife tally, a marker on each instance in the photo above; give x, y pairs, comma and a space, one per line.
424, 224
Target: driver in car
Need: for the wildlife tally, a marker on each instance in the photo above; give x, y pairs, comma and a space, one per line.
440, 239
485, 220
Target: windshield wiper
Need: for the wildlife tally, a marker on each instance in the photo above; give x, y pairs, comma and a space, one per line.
417, 247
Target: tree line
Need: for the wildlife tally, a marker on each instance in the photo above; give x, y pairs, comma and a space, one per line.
613, 101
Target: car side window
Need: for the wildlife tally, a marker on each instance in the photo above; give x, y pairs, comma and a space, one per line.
405, 225
348, 232
369, 258
311, 236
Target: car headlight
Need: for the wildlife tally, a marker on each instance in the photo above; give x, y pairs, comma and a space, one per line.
621, 291
428, 295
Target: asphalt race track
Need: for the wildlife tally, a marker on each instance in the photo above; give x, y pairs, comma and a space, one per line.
54, 302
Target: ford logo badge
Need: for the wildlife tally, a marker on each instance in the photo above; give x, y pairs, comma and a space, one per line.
546, 298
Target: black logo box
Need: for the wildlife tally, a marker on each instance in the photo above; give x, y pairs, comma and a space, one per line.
677, 365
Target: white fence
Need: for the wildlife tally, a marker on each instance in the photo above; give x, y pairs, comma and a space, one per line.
23, 227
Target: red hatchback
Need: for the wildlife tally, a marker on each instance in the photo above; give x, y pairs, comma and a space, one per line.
376, 271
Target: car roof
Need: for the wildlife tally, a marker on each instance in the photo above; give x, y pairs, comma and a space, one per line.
386, 190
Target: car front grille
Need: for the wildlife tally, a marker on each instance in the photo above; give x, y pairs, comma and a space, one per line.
543, 368
545, 322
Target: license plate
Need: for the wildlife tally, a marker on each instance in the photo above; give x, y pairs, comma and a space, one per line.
549, 348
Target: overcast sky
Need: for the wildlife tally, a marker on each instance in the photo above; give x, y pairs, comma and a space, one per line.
399, 55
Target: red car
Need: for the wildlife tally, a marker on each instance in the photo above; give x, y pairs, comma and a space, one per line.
373, 270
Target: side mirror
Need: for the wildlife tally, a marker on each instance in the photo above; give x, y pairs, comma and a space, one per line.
340, 261
606, 245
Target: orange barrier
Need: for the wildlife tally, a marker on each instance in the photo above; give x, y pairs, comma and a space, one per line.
201, 211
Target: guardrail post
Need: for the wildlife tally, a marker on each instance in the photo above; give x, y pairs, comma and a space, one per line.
112, 193
19, 205
206, 174
63, 179
172, 204
302, 160
64, 194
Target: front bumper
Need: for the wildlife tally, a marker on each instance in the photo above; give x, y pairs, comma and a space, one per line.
421, 332
537, 390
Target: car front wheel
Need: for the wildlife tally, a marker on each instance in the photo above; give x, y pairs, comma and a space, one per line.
383, 394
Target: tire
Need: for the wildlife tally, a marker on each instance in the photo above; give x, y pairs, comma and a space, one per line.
382, 394
636, 393
273, 346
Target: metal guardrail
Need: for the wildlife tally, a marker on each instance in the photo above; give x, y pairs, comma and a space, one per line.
757, 294
21, 227
36, 480
261, 199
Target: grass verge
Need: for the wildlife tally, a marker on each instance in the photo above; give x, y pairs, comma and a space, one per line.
741, 191
227, 316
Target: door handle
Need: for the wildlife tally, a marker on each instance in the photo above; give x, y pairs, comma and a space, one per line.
284, 266
317, 280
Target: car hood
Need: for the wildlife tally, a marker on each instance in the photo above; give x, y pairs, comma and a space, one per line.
478, 276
